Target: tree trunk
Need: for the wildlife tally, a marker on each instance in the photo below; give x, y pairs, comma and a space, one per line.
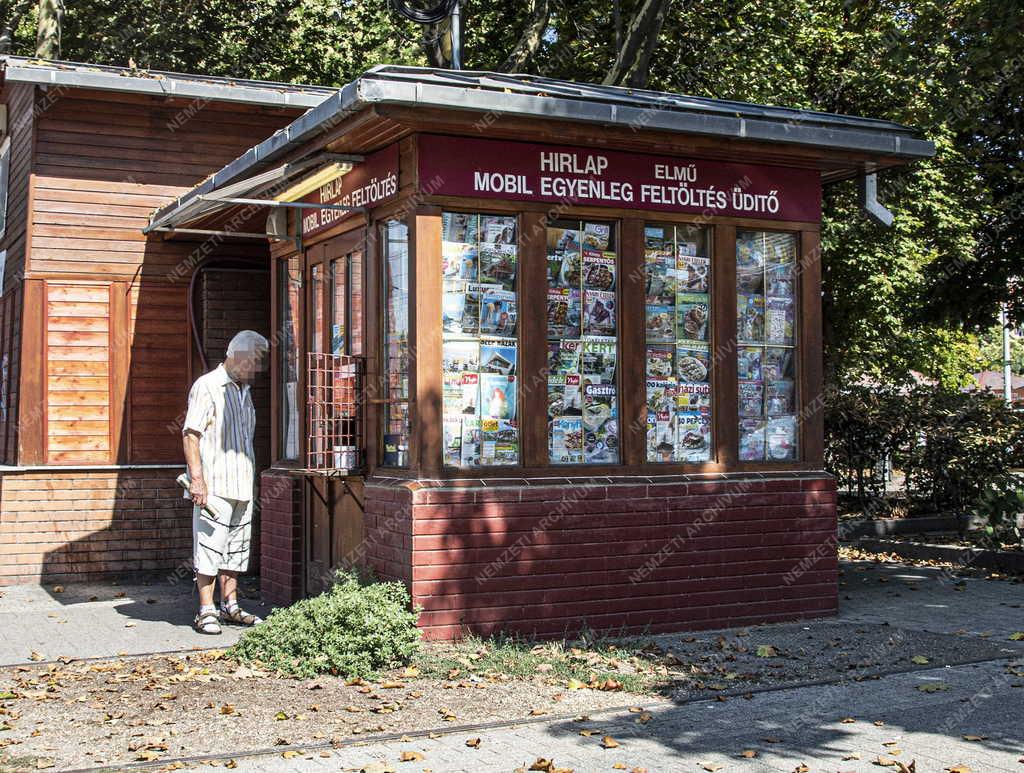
531, 39
51, 15
633, 60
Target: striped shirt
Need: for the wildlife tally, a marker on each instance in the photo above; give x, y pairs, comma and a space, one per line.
221, 412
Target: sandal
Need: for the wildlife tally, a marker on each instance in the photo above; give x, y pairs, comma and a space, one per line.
206, 622
236, 615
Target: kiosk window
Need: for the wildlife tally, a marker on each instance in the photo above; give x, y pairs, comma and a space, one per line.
289, 285
766, 340
396, 343
678, 324
480, 351
582, 324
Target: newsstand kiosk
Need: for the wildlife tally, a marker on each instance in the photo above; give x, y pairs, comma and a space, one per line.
549, 352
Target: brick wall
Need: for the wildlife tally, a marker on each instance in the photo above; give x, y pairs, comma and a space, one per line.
647, 554
86, 525
281, 546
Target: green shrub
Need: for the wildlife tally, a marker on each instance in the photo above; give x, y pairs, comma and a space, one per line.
353, 629
999, 506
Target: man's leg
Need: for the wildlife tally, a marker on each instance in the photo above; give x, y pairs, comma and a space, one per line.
228, 588
205, 583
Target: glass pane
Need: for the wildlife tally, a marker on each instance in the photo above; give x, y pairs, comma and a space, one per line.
316, 294
396, 344
355, 303
765, 357
678, 323
480, 351
289, 286
338, 303
582, 311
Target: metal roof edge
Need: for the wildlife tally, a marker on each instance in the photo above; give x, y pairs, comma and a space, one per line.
265, 93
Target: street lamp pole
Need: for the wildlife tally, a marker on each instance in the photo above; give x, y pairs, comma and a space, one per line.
1004, 319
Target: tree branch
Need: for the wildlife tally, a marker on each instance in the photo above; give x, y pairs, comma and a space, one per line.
531, 38
631, 64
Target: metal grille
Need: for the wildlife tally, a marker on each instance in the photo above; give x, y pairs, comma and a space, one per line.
335, 413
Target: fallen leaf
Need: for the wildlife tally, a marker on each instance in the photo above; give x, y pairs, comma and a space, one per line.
1018, 636
473, 743
711, 766
291, 754
619, 766
885, 762
231, 764
748, 754
959, 769
36, 656
537, 712
847, 720
933, 687
58, 588
576, 684
975, 737
920, 660
227, 708
851, 756
587, 732
410, 672
766, 651
609, 743
279, 716
541, 764
644, 718
410, 757
43, 763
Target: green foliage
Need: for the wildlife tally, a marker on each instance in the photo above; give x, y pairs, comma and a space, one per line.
1000, 505
353, 629
950, 445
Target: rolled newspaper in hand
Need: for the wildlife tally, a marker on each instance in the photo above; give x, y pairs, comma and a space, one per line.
216, 508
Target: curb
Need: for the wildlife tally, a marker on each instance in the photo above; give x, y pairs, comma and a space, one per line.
997, 560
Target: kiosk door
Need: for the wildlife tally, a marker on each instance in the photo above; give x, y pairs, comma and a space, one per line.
334, 510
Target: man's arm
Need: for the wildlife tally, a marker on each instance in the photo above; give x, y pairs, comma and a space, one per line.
197, 488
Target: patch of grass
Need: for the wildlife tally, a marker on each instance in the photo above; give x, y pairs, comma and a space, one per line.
354, 629
590, 661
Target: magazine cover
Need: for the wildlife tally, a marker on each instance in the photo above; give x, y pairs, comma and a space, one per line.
751, 398
692, 316
693, 362
750, 283
599, 316
564, 357
565, 397
453, 307
458, 227
452, 401
497, 229
780, 248
563, 239
566, 440
497, 311
686, 249
564, 313
470, 456
660, 324
661, 395
661, 280
780, 397
471, 309
654, 237
693, 436
458, 260
693, 397
497, 396
661, 436
498, 265
459, 357
748, 363
452, 428
750, 318
498, 356
779, 321
659, 362
499, 441
779, 281
470, 394
596, 236
749, 252
780, 439
777, 363
598, 364
598, 270
564, 268
599, 423
693, 274
751, 440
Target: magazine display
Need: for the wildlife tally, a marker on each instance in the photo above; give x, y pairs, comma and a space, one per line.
766, 325
479, 352
582, 323
678, 330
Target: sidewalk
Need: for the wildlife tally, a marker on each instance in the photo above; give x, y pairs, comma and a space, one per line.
103, 620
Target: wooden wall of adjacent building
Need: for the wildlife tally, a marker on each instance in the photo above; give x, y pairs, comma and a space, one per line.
101, 317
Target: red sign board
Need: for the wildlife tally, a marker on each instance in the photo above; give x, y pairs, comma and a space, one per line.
524, 171
370, 182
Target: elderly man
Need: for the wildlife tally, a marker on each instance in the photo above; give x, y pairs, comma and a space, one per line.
217, 437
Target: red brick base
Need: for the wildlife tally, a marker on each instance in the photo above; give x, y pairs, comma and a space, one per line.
281, 538
630, 555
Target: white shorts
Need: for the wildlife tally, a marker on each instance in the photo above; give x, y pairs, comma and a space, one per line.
222, 542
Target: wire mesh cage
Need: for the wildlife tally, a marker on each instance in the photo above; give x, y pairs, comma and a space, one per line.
335, 412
